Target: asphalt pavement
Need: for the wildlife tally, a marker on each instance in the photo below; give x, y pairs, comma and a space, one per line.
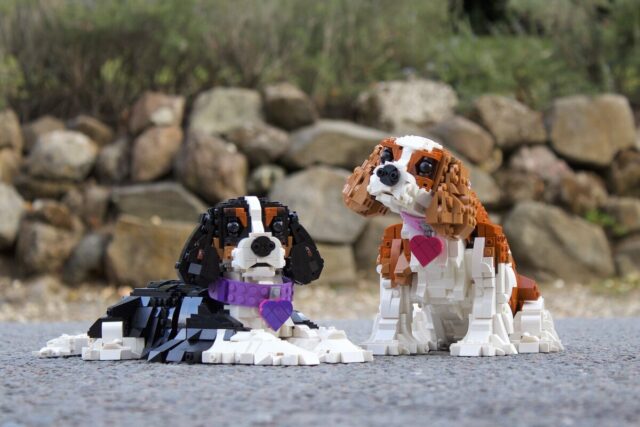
595, 382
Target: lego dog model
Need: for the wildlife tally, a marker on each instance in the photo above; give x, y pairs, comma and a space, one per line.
232, 304
446, 257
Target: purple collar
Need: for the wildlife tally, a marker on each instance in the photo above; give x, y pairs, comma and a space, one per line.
234, 292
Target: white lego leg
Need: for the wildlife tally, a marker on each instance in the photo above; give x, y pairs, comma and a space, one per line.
329, 344
391, 334
64, 345
113, 345
490, 321
257, 347
424, 329
534, 331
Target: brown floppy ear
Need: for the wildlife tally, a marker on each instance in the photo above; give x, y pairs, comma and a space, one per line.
452, 212
355, 193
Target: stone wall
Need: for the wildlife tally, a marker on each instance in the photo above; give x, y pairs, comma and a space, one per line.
92, 203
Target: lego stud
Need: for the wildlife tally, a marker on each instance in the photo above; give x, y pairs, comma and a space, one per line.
388, 175
262, 246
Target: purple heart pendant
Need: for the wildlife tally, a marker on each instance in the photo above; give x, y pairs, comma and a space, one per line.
275, 312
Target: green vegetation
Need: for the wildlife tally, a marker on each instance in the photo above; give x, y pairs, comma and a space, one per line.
65, 56
606, 221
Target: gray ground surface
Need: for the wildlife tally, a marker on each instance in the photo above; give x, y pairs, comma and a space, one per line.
595, 382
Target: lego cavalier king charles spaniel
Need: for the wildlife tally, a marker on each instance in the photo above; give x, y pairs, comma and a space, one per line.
232, 304
447, 276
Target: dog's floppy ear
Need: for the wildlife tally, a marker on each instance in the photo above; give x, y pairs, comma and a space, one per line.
199, 263
304, 263
355, 193
452, 211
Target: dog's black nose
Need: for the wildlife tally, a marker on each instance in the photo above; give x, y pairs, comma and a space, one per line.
262, 246
389, 175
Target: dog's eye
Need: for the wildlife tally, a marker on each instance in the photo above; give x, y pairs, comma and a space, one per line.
426, 167
277, 226
386, 155
233, 227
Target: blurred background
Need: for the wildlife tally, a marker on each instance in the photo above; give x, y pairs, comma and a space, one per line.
121, 121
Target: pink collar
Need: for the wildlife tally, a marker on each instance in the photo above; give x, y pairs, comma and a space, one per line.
415, 222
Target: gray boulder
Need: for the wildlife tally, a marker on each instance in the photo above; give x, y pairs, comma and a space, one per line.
519, 186
97, 131
153, 153
406, 106
211, 168
260, 142
42, 188
87, 259
141, 251
627, 256
541, 161
591, 130
510, 122
10, 161
11, 211
288, 107
625, 212
220, 110
112, 164
332, 142
367, 246
156, 109
89, 202
32, 131
581, 192
263, 178
10, 133
548, 243
42, 247
62, 155
316, 194
339, 265
485, 186
165, 200
465, 137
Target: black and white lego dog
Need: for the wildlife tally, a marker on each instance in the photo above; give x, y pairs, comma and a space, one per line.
232, 304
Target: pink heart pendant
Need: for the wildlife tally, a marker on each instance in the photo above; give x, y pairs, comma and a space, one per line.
275, 312
426, 249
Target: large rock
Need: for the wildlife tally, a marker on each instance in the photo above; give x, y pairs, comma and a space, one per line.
624, 174
42, 247
627, 256
165, 200
591, 131
541, 161
141, 251
288, 107
339, 265
112, 165
153, 153
10, 133
367, 246
97, 131
62, 155
9, 164
11, 210
510, 122
32, 131
406, 106
156, 109
548, 243
89, 202
211, 168
42, 188
220, 110
263, 178
87, 259
316, 194
260, 142
518, 186
581, 192
465, 137
625, 212
332, 142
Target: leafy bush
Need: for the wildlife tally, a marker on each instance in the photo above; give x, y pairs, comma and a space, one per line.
96, 56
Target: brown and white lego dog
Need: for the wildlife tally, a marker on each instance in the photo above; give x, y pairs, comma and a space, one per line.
446, 257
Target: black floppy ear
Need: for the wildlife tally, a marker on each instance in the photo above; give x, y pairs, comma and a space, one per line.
199, 263
304, 263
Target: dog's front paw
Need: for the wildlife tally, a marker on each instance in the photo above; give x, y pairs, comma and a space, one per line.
257, 347
475, 349
329, 344
64, 345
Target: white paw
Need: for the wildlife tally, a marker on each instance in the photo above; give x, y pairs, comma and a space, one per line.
402, 345
476, 349
112, 345
534, 331
257, 347
329, 344
64, 345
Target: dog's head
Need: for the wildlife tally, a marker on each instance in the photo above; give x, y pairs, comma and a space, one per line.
253, 238
399, 175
